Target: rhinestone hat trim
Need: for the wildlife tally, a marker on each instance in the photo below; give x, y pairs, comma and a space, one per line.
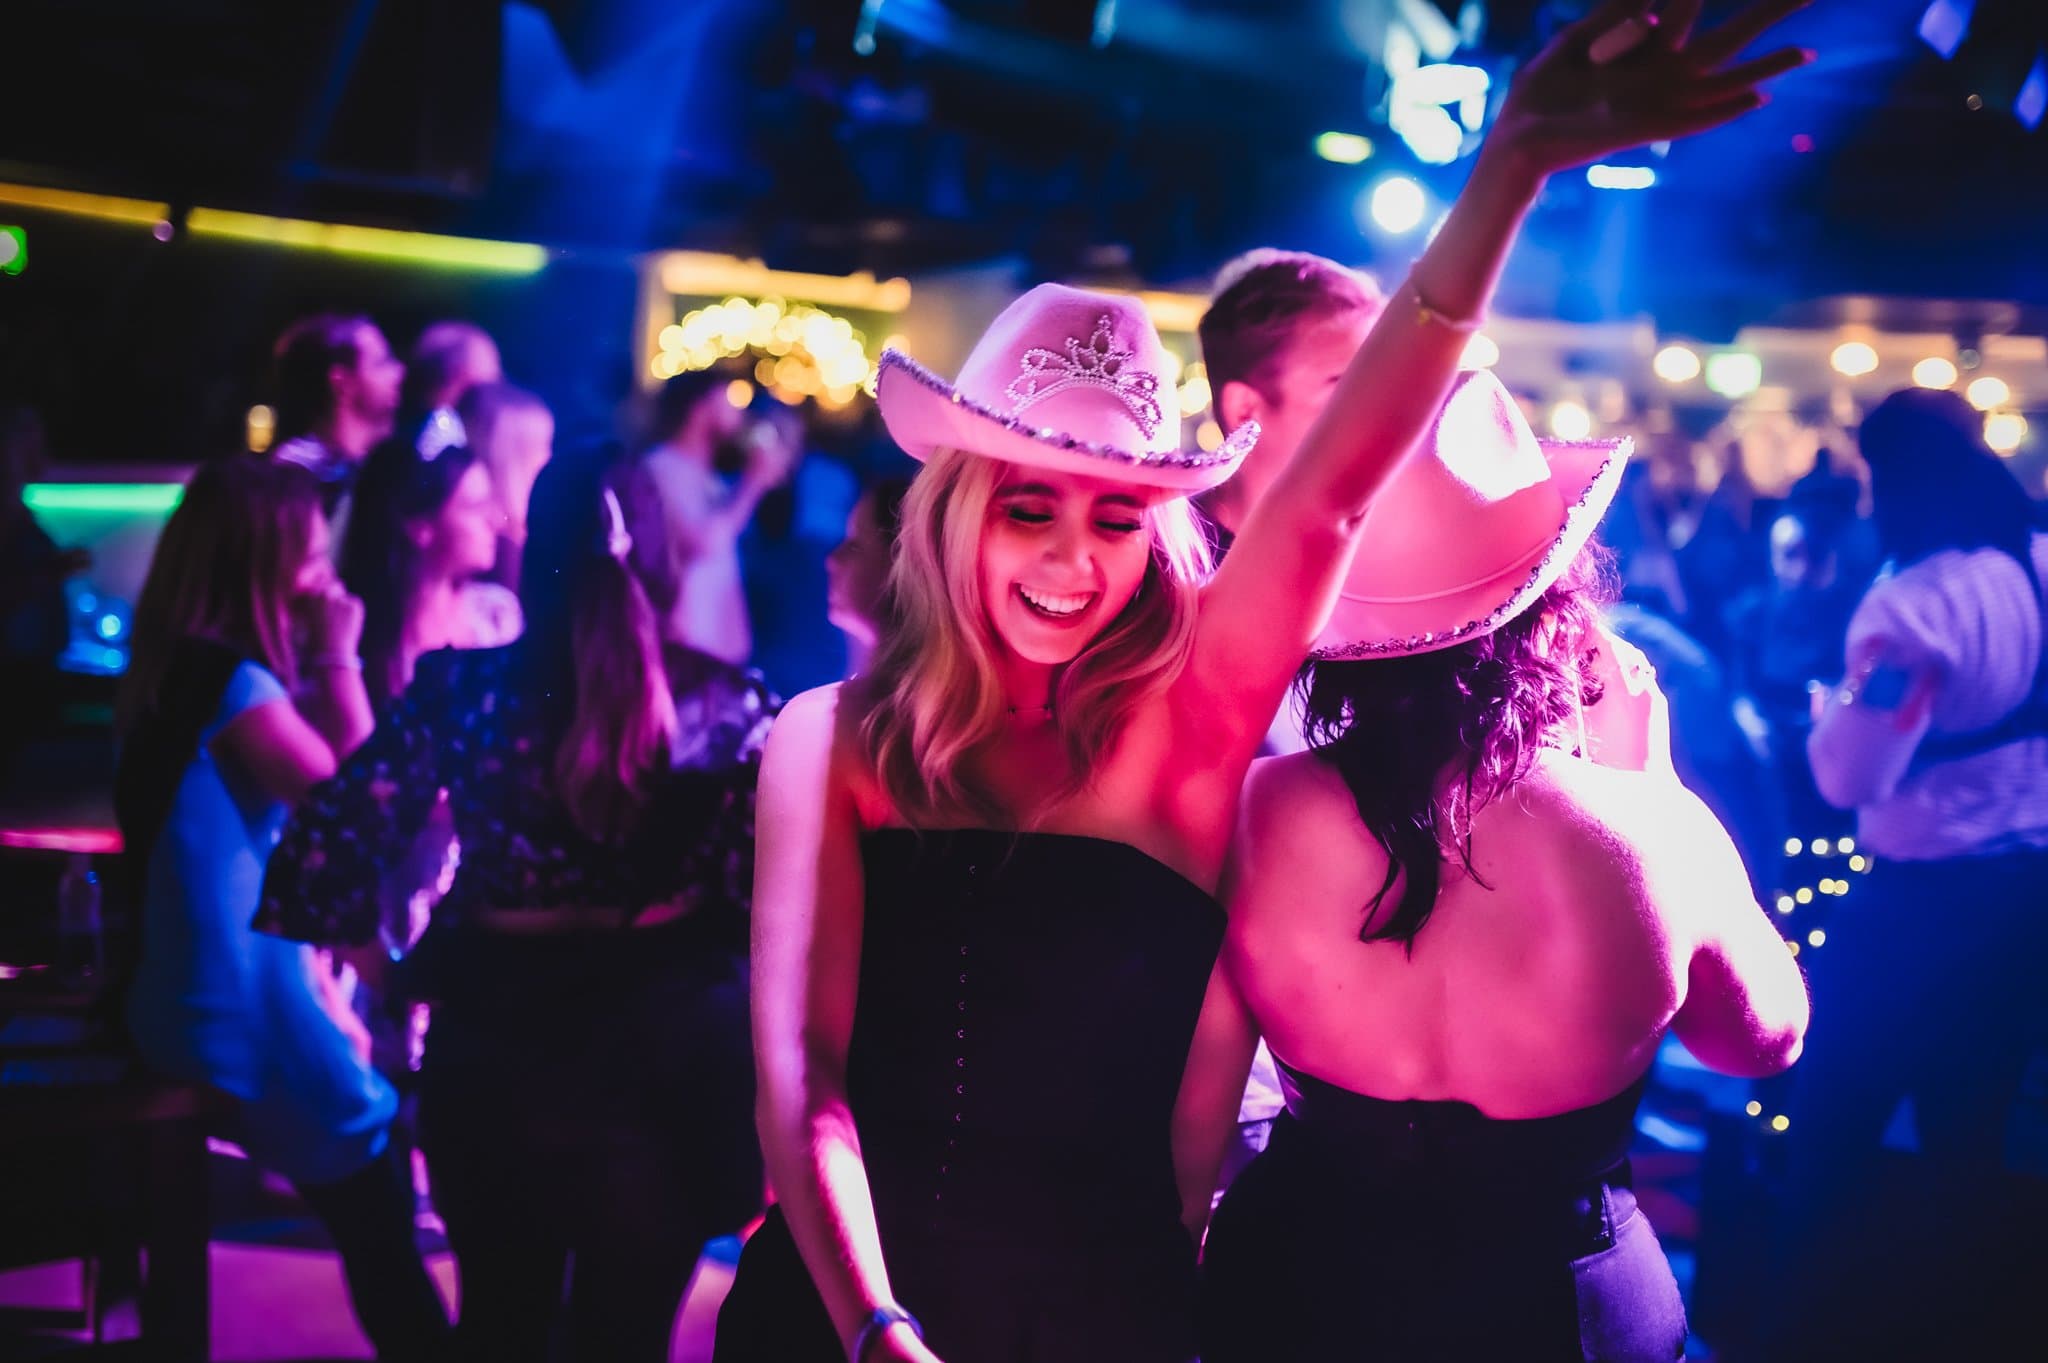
1519, 601
1098, 362
1233, 448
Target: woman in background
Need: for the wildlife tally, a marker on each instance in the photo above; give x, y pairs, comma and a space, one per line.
422, 533
857, 572
216, 740
587, 1093
423, 530
1930, 987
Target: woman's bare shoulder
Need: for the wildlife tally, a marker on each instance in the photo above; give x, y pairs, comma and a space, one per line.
821, 728
1641, 833
1293, 786
1298, 824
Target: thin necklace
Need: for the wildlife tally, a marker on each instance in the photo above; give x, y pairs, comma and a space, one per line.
1044, 709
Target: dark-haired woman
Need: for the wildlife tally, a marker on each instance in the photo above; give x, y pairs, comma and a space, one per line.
1463, 938
587, 1091
1930, 987
422, 532
245, 690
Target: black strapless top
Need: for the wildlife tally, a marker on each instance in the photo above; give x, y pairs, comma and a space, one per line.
1401, 1140
1026, 1006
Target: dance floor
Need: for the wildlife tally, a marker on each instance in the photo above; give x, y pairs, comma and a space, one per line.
277, 1291
278, 1297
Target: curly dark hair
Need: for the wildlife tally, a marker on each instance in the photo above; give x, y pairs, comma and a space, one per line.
1424, 742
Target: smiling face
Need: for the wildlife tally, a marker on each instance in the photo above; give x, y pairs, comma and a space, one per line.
1061, 556
461, 540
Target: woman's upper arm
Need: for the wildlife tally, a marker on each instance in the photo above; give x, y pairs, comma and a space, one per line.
1869, 728
274, 746
808, 888
1745, 1007
1277, 588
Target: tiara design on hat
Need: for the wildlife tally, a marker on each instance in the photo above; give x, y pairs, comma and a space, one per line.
1099, 362
1063, 379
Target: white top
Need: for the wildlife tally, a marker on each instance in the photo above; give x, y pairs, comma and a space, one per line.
710, 610
1950, 645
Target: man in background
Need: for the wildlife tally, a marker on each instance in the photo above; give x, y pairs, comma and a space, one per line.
337, 386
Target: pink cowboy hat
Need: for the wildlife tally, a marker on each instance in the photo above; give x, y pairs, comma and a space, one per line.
1471, 530
1063, 379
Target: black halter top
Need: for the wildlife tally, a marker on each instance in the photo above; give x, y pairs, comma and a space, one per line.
1411, 1138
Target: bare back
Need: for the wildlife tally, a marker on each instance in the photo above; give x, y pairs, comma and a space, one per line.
1541, 985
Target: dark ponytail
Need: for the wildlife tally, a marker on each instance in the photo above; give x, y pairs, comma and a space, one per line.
591, 652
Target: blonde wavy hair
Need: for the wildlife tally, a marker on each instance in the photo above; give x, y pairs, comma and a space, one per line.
933, 699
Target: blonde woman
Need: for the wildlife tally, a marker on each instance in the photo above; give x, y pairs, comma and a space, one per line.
997, 1067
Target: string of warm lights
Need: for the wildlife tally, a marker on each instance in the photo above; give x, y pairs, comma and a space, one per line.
1789, 902
801, 351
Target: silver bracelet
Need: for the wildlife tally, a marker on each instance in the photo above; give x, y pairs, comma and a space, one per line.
348, 662
880, 1319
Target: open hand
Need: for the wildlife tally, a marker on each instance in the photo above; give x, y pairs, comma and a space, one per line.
1565, 109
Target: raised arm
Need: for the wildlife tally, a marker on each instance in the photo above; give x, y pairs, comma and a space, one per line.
698, 528
1275, 591
808, 894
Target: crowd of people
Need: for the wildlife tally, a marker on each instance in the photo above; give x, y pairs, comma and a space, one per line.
1041, 1020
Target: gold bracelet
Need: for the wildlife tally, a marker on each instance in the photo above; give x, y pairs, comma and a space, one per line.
1426, 314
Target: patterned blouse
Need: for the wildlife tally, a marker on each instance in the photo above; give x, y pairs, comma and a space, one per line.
464, 728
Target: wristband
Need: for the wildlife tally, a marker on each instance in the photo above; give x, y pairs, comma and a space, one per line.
350, 662
880, 1319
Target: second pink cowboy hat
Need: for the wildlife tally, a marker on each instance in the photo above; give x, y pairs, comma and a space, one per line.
1063, 379
1476, 524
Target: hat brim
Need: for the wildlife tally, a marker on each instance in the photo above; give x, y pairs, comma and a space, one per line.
924, 413
1585, 474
